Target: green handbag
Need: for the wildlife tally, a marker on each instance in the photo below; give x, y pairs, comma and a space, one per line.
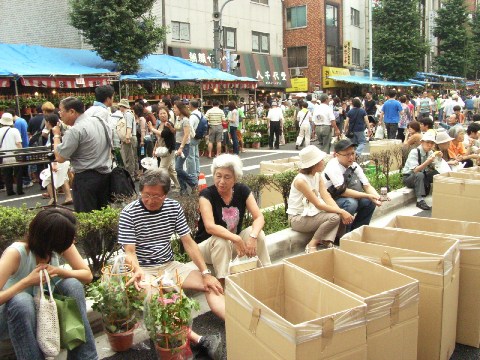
72, 330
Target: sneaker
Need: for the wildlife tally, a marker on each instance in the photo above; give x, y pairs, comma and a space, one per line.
423, 205
27, 185
296, 147
210, 344
2, 189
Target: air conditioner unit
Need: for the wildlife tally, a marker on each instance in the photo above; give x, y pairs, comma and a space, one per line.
295, 72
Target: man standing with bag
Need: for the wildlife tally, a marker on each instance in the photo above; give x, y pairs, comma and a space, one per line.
324, 120
129, 143
193, 159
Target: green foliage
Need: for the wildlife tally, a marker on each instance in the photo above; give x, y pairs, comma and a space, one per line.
167, 316
97, 233
282, 183
179, 253
398, 46
395, 181
253, 127
451, 28
256, 183
122, 31
474, 61
118, 304
14, 224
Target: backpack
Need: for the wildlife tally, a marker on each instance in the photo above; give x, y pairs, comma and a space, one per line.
121, 184
201, 128
37, 139
121, 128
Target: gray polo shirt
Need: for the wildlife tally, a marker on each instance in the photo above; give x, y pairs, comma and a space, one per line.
86, 146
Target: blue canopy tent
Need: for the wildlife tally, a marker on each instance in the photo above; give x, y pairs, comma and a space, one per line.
365, 80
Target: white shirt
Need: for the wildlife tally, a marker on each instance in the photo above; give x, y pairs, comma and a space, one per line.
10, 141
275, 114
194, 119
335, 172
323, 114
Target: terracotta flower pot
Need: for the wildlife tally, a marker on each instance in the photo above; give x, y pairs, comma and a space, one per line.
256, 145
121, 341
179, 353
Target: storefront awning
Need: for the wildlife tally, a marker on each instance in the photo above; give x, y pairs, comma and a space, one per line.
269, 71
365, 80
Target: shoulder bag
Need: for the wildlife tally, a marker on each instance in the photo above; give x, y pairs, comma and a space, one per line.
1, 142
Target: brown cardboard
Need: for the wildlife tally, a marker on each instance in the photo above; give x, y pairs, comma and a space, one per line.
434, 262
387, 144
391, 298
468, 233
281, 312
474, 169
270, 197
456, 196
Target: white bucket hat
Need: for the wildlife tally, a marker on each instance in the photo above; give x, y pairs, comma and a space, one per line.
7, 119
428, 136
442, 137
311, 155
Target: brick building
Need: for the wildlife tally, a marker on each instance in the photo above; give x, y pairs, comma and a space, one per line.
312, 37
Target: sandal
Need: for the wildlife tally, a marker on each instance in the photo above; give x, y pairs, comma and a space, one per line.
45, 196
328, 244
310, 249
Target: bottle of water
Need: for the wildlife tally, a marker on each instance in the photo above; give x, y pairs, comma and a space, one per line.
142, 150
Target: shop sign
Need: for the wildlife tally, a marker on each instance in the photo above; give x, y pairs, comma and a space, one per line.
332, 71
298, 85
347, 53
275, 78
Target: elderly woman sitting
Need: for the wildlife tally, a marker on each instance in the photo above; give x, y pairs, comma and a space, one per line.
325, 216
457, 150
222, 209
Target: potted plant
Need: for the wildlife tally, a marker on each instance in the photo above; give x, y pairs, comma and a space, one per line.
167, 318
256, 139
118, 304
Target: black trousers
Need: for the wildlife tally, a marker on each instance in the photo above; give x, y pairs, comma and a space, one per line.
274, 131
91, 191
8, 174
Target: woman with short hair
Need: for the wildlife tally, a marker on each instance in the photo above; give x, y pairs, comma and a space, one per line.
413, 136
222, 209
308, 189
457, 149
50, 235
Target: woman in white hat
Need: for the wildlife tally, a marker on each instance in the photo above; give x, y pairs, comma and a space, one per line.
311, 209
443, 140
10, 139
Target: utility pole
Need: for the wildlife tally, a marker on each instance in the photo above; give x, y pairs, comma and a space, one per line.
164, 24
217, 28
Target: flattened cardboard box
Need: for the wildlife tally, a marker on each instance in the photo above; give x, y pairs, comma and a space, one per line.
391, 298
270, 197
281, 312
468, 233
456, 196
434, 262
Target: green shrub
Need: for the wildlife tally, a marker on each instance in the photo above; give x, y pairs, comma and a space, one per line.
14, 224
282, 183
395, 181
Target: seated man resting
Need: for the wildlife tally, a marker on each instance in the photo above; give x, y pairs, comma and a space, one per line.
350, 190
145, 229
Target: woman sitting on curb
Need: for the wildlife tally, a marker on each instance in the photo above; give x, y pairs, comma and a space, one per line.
222, 209
51, 233
325, 216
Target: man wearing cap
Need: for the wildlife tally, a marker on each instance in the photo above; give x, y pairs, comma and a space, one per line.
275, 121
351, 190
128, 147
324, 120
10, 139
419, 169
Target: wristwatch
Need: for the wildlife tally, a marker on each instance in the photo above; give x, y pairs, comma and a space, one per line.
206, 272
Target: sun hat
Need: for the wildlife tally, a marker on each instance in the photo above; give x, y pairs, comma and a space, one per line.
274, 103
343, 145
442, 137
311, 155
7, 119
428, 136
124, 103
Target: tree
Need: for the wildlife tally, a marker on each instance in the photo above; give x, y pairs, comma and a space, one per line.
474, 59
398, 46
451, 29
122, 31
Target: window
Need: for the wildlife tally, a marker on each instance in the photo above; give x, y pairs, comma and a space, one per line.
265, 2
229, 38
331, 56
260, 42
180, 31
355, 17
297, 56
297, 17
355, 56
331, 16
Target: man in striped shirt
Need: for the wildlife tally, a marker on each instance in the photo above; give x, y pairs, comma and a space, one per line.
215, 116
145, 229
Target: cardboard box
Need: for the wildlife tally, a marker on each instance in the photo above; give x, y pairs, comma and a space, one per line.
456, 196
475, 169
468, 233
388, 144
282, 312
270, 197
391, 298
434, 262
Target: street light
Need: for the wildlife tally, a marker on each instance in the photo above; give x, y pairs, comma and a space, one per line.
217, 18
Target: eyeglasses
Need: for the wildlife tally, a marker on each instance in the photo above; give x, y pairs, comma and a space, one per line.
347, 155
153, 197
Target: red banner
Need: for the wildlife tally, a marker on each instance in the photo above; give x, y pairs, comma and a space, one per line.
64, 83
